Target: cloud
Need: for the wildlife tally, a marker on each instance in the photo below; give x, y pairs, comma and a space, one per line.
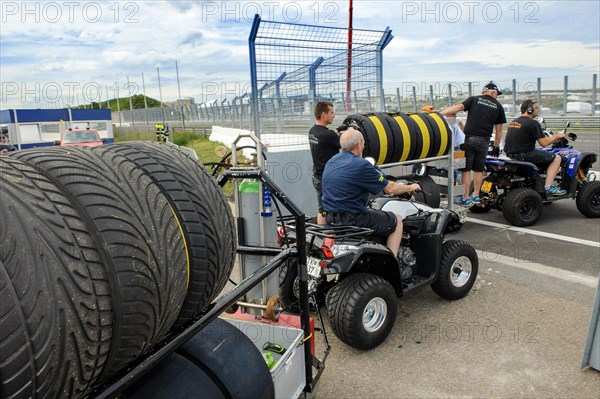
434, 41
193, 39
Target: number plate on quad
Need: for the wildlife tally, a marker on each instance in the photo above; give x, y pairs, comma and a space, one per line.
487, 186
312, 264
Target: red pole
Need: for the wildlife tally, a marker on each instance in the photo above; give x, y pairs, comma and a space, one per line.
349, 66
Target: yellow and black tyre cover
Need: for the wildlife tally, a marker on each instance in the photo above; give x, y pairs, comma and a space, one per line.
387, 139
425, 134
406, 141
440, 131
377, 134
434, 133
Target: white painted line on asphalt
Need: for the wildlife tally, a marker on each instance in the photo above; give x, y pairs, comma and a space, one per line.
565, 275
537, 233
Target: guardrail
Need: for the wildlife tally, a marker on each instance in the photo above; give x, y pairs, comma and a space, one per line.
578, 122
200, 130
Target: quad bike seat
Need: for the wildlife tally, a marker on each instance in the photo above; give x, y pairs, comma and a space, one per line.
531, 168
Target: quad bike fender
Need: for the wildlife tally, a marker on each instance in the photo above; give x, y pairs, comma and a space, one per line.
449, 222
369, 258
428, 250
584, 160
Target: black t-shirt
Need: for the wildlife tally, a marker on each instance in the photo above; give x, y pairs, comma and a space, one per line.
484, 113
324, 144
521, 135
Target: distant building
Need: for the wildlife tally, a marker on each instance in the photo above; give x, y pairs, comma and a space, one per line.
26, 128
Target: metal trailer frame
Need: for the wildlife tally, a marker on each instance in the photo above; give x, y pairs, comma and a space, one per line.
175, 339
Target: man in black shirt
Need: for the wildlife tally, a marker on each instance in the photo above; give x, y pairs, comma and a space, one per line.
521, 136
324, 144
484, 113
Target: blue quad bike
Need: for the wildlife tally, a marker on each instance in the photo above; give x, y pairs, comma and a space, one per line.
517, 188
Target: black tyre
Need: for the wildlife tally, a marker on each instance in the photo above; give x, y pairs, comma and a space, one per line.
362, 310
380, 120
232, 359
432, 198
522, 207
434, 134
136, 232
445, 132
203, 213
374, 146
458, 270
481, 208
588, 199
421, 136
403, 129
175, 378
288, 286
55, 308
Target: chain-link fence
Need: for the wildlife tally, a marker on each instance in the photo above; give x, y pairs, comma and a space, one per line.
292, 111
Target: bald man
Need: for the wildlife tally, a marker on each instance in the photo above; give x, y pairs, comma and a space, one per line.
348, 179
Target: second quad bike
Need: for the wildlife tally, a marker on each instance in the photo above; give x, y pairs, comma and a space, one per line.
517, 188
359, 279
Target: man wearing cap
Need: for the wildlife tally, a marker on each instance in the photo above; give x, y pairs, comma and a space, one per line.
521, 136
484, 114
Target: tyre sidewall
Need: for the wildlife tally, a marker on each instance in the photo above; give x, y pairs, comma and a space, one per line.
451, 251
515, 200
350, 298
584, 199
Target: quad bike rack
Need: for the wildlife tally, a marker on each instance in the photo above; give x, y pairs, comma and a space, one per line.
312, 365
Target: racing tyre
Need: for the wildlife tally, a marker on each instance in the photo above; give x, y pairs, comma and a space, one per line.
203, 214
362, 310
522, 207
288, 283
175, 378
481, 208
432, 198
588, 199
458, 270
137, 234
56, 313
224, 352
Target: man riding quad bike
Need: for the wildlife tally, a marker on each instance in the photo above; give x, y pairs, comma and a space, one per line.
517, 188
359, 277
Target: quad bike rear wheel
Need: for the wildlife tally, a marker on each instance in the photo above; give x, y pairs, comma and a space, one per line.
458, 270
522, 207
362, 310
588, 199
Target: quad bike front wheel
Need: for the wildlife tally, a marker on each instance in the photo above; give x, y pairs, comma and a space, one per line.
362, 310
522, 207
588, 199
458, 270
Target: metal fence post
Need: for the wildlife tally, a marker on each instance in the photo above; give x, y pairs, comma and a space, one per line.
565, 93
594, 84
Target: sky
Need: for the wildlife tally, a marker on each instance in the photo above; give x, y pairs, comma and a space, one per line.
74, 52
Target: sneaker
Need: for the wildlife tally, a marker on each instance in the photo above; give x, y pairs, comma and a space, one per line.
475, 199
467, 202
555, 190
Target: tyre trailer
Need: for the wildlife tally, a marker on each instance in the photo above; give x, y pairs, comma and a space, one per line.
313, 366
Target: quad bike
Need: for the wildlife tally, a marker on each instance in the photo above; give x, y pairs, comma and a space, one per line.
358, 278
517, 188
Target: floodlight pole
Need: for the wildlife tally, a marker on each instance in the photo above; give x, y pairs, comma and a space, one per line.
349, 66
